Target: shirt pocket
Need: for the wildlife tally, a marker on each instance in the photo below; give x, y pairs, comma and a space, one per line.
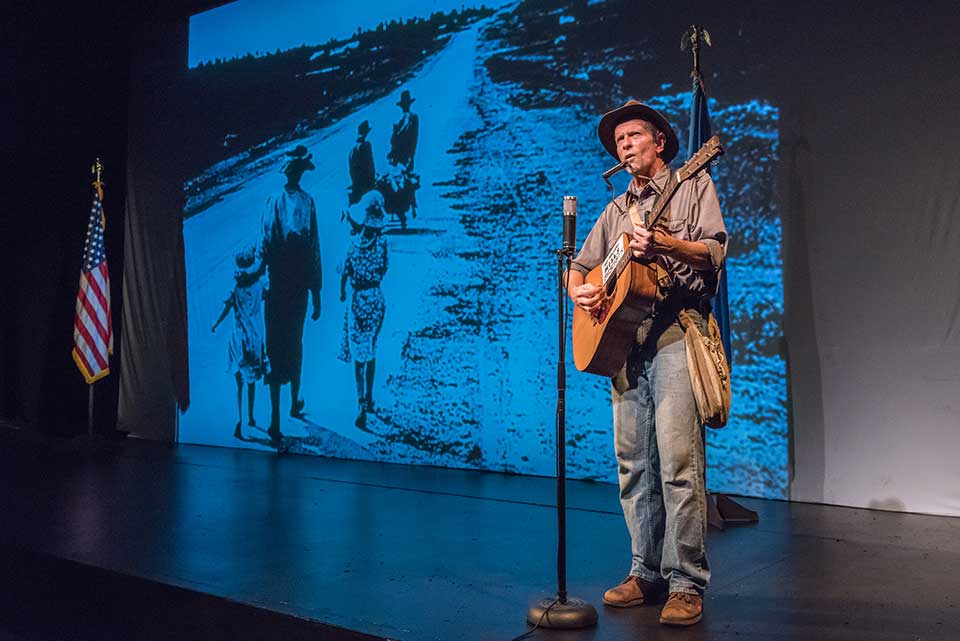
678, 228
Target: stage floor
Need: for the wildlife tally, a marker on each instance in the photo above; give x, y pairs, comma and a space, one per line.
414, 553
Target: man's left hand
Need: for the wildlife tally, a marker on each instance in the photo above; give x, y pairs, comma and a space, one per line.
647, 245
316, 308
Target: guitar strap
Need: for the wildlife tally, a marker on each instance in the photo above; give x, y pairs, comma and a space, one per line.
664, 281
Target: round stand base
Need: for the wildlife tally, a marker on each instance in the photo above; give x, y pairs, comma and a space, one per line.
575, 613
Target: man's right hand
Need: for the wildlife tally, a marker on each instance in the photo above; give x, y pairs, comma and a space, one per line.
587, 296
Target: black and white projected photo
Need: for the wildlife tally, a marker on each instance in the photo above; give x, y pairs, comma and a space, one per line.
371, 219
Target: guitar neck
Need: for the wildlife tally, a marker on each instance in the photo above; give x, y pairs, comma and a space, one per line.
708, 152
653, 218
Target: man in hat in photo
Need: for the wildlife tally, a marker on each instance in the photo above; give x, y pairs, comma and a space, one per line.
403, 140
290, 248
363, 176
658, 435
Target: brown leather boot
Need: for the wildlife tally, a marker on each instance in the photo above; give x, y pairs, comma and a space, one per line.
682, 609
633, 591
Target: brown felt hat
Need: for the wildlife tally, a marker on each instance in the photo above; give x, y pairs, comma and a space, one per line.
633, 110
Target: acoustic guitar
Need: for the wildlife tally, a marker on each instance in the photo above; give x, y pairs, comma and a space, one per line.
602, 339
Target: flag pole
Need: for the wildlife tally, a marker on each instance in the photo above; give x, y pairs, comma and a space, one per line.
90, 411
721, 509
97, 171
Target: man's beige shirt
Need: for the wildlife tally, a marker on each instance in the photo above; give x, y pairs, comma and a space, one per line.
694, 216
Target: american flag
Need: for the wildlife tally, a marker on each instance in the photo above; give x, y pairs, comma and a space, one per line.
92, 327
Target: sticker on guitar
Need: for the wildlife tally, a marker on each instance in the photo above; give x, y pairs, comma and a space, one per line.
611, 268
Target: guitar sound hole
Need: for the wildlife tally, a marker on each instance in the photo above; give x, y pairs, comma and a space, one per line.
611, 286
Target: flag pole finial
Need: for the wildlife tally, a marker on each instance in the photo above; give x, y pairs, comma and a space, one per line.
97, 170
692, 38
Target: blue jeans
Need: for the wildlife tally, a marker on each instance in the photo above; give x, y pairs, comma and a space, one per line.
658, 439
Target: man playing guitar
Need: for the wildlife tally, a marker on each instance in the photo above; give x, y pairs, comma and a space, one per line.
657, 431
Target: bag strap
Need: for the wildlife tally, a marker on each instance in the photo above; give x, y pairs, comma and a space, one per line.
634, 209
685, 321
664, 279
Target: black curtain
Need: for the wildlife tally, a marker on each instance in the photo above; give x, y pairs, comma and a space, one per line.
154, 381
68, 73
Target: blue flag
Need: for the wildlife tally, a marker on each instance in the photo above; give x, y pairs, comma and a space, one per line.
699, 134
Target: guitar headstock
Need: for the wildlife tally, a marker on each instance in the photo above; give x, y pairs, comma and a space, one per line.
710, 151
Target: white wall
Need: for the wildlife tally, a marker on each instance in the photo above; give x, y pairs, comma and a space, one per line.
871, 190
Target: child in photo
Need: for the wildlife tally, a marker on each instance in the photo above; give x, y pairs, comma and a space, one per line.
246, 359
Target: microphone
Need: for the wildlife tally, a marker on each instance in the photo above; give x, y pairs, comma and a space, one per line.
614, 170
569, 224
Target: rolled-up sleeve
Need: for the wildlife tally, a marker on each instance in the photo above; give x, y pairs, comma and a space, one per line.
594, 248
707, 222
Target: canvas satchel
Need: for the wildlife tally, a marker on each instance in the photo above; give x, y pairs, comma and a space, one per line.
709, 371
706, 361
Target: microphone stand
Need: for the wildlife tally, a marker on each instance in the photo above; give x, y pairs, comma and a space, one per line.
562, 612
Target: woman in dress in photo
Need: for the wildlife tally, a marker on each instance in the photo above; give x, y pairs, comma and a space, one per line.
363, 270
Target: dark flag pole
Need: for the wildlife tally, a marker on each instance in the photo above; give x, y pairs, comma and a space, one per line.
721, 509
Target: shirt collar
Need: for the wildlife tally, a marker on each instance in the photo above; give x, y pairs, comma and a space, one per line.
655, 186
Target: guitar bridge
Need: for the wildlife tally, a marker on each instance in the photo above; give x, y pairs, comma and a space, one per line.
600, 313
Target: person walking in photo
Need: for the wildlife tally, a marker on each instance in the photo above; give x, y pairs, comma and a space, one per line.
290, 249
364, 269
399, 183
246, 352
363, 176
406, 132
